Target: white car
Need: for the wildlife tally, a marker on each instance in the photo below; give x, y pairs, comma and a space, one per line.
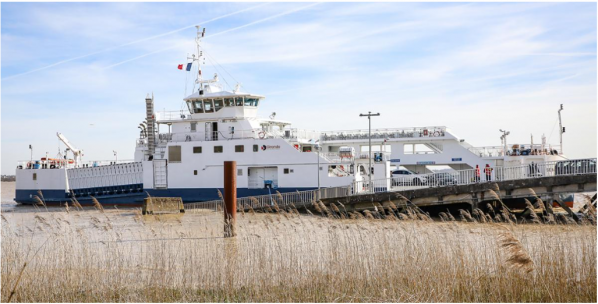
407, 177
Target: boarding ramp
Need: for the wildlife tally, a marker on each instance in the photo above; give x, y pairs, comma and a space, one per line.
114, 178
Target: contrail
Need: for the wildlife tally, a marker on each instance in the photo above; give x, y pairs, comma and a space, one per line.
219, 33
266, 19
133, 42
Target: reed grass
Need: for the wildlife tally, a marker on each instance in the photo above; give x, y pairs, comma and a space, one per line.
98, 255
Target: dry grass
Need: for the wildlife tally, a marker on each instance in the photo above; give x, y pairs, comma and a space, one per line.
120, 256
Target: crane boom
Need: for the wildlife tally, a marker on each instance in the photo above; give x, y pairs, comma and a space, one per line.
76, 152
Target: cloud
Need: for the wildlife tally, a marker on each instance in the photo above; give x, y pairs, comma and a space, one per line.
472, 67
101, 25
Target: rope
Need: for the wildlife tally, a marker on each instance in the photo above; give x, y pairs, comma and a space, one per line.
557, 120
229, 74
223, 78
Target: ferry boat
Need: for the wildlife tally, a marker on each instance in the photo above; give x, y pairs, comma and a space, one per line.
181, 154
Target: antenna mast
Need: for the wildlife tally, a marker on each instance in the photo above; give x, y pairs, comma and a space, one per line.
199, 57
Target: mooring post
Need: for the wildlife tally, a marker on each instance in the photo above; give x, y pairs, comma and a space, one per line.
230, 198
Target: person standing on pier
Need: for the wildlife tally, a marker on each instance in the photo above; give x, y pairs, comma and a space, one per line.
488, 172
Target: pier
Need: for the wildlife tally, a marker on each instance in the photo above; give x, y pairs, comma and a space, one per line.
467, 190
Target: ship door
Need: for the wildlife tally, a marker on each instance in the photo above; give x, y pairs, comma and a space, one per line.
208, 131
160, 174
215, 131
262, 177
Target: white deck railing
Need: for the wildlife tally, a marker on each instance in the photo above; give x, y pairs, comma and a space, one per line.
456, 178
528, 149
55, 163
438, 131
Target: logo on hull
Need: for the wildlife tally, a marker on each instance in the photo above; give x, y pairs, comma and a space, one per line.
265, 147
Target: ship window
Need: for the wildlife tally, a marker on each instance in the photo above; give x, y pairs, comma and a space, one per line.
174, 154
250, 102
34, 176
193, 126
240, 148
218, 149
240, 172
190, 106
196, 149
239, 101
207, 106
286, 170
218, 104
229, 102
198, 106
425, 148
255, 148
194, 172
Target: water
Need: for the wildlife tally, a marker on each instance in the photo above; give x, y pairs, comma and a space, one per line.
8, 195
9, 205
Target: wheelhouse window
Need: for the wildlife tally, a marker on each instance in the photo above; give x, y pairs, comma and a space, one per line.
250, 102
198, 106
190, 106
218, 104
229, 102
208, 106
239, 101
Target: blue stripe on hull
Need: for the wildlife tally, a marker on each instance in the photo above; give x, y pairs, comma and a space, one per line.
59, 197
189, 195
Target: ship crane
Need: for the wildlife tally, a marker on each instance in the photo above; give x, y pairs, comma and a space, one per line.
76, 152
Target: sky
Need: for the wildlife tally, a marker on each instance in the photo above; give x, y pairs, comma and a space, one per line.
84, 69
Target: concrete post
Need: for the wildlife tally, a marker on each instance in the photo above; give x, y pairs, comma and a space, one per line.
230, 198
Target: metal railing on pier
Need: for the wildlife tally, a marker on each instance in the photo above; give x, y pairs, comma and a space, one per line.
419, 181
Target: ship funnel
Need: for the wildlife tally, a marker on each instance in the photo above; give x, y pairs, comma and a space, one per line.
151, 123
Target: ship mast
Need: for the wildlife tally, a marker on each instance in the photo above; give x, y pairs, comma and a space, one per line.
199, 58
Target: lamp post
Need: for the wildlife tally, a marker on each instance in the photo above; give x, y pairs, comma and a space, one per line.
317, 146
503, 137
31, 150
562, 130
115, 156
369, 116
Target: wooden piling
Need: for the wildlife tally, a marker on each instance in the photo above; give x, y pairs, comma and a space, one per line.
230, 198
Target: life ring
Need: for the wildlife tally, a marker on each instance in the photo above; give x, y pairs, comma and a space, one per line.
52, 166
437, 134
261, 134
